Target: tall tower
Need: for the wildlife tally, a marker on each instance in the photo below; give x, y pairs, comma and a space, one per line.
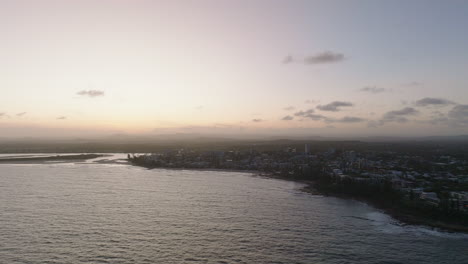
307, 149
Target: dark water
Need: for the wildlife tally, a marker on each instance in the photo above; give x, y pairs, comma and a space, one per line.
95, 213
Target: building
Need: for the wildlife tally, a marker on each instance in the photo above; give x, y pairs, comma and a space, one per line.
307, 149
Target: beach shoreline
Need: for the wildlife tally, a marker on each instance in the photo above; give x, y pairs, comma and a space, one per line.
50, 159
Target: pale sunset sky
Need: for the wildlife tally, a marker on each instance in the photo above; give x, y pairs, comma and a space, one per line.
319, 68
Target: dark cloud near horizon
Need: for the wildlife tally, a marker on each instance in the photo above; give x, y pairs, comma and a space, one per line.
334, 106
316, 117
350, 119
21, 114
436, 118
456, 117
399, 115
61, 117
289, 108
372, 89
309, 114
373, 123
287, 118
439, 120
257, 120
91, 93
324, 58
459, 115
304, 113
428, 101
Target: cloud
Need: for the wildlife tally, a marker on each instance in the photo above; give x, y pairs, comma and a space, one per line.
398, 115
309, 114
334, 106
288, 59
316, 117
324, 58
287, 118
456, 117
428, 101
437, 120
91, 93
257, 120
349, 119
200, 107
372, 89
373, 123
61, 117
304, 113
459, 115
289, 108
21, 114
402, 112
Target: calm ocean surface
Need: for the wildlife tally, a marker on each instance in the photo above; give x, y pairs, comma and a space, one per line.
101, 213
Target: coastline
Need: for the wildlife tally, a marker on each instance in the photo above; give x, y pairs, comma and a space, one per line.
405, 217
402, 215
255, 173
45, 159
200, 169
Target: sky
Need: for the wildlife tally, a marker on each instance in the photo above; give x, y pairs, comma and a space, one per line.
265, 67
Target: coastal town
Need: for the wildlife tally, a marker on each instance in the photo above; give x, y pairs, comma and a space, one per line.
434, 181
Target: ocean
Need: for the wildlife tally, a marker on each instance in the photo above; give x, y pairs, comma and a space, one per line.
116, 213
